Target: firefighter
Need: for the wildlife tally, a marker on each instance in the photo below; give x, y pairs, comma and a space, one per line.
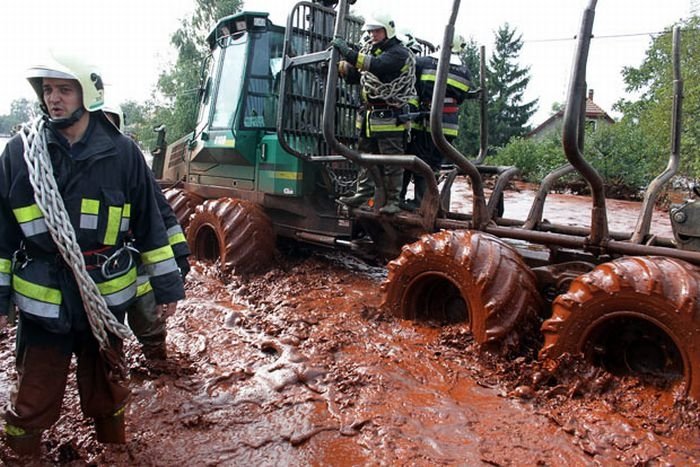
146, 319
384, 69
459, 82
97, 188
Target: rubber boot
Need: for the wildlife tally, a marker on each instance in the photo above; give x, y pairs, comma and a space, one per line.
154, 350
22, 442
365, 190
111, 429
393, 183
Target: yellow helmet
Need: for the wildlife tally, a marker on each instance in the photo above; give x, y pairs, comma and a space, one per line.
381, 20
66, 66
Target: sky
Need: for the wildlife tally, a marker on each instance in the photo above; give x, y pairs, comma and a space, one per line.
130, 39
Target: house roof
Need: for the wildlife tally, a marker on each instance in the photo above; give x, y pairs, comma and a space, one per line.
593, 111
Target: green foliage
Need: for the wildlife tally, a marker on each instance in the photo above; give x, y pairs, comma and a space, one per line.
21, 111
534, 158
507, 81
654, 80
506, 84
179, 86
625, 155
468, 140
622, 154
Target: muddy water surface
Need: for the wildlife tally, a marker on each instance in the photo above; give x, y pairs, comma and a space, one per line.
298, 366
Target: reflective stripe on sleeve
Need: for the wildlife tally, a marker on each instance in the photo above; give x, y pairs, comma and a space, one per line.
5, 270
36, 307
143, 286
36, 299
161, 268
119, 290
175, 235
363, 62
157, 255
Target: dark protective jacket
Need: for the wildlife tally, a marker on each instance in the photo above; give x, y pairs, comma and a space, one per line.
459, 81
176, 239
108, 190
386, 60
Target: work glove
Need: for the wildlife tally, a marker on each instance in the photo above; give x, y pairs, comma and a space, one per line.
344, 68
184, 266
342, 46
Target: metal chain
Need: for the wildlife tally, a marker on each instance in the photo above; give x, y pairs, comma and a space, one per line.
50, 202
396, 92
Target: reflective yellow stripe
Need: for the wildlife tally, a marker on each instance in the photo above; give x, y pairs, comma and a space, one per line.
388, 128
27, 213
12, 430
5, 266
144, 288
159, 254
36, 291
126, 212
360, 61
177, 238
117, 284
457, 84
114, 220
90, 206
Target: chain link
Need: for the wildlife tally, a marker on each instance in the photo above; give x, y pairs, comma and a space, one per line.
48, 198
396, 92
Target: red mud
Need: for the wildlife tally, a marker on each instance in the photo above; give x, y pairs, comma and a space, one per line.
298, 366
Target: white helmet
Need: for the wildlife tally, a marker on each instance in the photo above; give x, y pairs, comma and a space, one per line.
65, 66
458, 44
409, 40
115, 115
381, 20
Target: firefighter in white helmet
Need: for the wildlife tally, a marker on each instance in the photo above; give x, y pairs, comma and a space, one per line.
105, 190
384, 60
459, 82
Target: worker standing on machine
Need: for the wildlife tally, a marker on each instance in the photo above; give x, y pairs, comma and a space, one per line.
71, 188
459, 82
385, 70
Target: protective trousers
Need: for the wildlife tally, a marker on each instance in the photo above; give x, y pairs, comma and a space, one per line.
392, 175
147, 322
43, 362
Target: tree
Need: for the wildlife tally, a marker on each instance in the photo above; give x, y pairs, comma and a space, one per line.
507, 81
179, 86
469, 115
21, 111
654, 80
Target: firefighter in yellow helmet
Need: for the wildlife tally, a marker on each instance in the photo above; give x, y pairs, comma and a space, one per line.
146, 319
383, 61
102, 189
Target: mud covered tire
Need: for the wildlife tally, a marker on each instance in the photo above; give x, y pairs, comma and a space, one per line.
659, 292
235, 232
463, 275
183, 203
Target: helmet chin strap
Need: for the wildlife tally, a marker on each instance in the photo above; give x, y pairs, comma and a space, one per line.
62, 123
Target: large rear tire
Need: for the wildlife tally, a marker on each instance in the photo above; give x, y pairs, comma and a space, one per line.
235, 232
183, 203
634, 315
465, 276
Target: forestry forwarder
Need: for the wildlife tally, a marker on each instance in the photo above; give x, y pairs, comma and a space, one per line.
274, 148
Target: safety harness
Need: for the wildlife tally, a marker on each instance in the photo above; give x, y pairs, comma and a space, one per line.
48, 198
